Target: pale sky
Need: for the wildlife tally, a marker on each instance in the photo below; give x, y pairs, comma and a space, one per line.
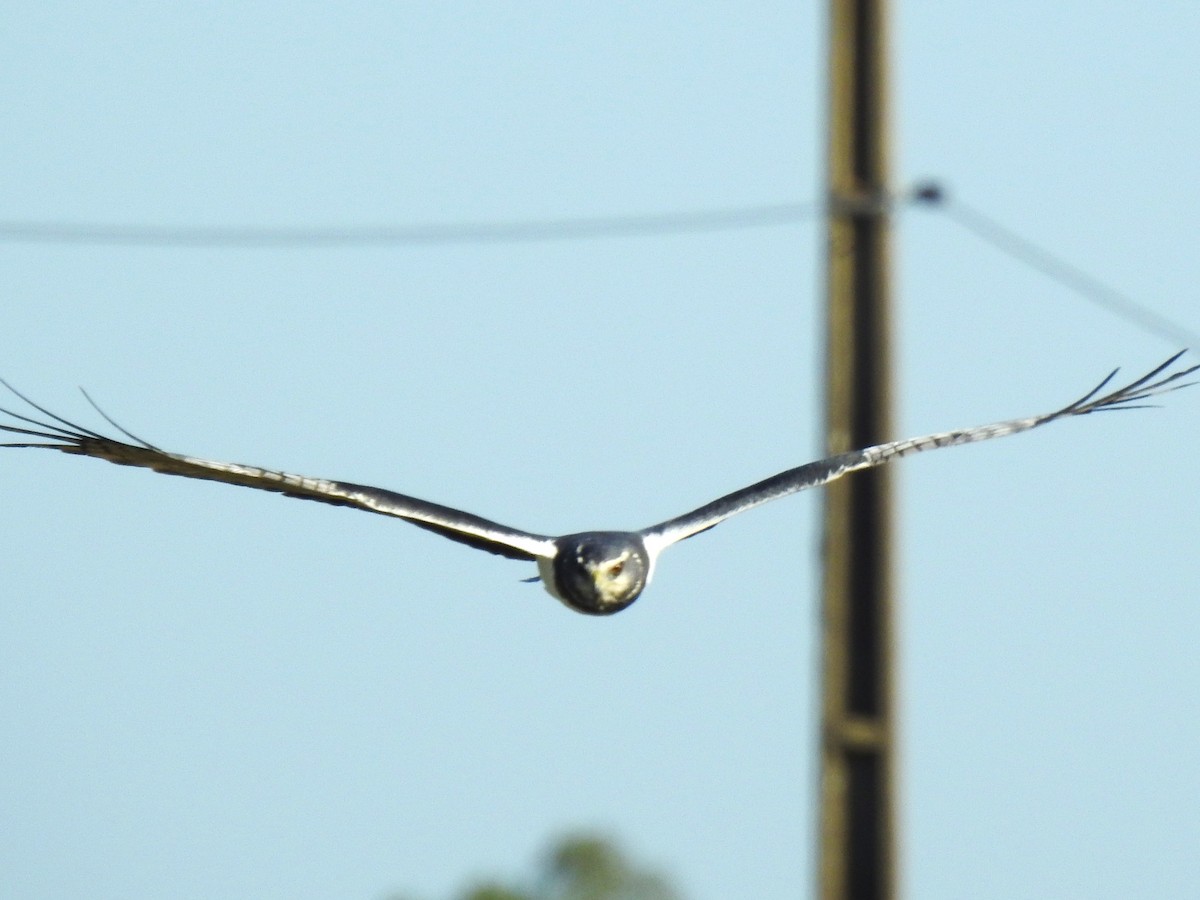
211, 692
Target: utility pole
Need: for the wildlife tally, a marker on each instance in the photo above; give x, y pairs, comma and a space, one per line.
857, 830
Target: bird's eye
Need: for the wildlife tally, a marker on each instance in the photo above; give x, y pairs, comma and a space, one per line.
617, 568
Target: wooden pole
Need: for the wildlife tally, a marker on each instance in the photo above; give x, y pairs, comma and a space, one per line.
857, 831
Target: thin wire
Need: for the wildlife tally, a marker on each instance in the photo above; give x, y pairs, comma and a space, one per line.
930, 194
1037, 257
483, 232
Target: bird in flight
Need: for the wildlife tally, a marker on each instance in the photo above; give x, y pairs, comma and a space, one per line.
592, 572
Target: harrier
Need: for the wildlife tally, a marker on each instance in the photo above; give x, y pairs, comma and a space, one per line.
593, 572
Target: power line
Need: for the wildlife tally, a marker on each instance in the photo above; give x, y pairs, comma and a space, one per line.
480, 232
930, 194
1026, 251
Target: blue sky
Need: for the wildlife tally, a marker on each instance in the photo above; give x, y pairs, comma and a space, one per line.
211, 692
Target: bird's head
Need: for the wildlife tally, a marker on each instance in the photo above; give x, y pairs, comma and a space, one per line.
598, 572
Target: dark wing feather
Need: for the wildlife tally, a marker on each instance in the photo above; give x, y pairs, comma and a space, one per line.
465, 528
814, 474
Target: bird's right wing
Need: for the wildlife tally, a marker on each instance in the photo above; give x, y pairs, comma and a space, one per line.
56, 433
814, 474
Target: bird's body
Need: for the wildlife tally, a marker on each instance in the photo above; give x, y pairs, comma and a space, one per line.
593, 572
597, 572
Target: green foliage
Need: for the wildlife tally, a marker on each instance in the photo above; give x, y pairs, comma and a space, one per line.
495, 892
582, 867
592, 868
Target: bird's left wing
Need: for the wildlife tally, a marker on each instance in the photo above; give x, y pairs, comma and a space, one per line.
56, 433
1158, 381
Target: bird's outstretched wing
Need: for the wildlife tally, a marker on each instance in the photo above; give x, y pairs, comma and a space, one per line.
1158, 381
56, 433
